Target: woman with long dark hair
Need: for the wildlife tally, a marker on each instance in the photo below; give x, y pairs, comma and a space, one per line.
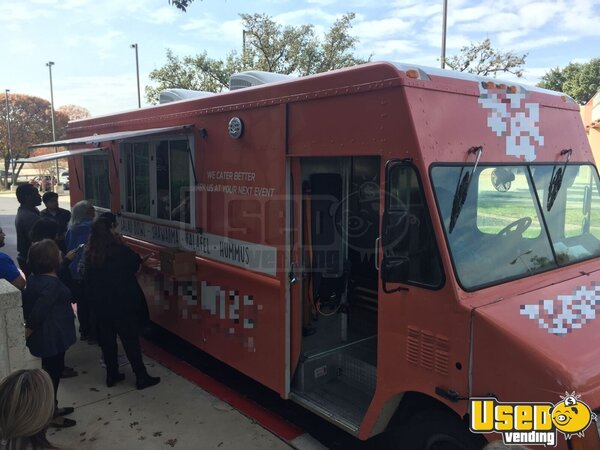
115, 297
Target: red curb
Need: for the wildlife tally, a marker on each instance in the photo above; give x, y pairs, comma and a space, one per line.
272, 422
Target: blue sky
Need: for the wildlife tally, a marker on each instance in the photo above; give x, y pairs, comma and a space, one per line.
89, 40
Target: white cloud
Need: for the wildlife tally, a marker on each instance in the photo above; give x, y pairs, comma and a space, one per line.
322, 2
210, 30
506, 21
415, 10
103, 94
304, 16
506, 38
458, 15
69, 5
380, 29
105, 42
16, 13
396, 48
163, 15
536, 15
533, 43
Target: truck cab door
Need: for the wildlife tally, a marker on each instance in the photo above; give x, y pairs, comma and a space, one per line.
423, 331
408, 244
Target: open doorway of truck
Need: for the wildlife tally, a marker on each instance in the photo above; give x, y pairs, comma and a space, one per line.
340, 224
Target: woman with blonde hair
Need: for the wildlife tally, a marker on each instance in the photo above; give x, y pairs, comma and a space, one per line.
78, 233
26, 409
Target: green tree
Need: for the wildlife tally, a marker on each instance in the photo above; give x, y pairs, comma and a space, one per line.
482, 59
578, 80
181, 4
199, 73
269, 47
30, 123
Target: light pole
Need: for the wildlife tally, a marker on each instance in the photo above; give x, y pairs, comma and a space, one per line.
444, 15
137, 71
244, 49
10, 156
50, 64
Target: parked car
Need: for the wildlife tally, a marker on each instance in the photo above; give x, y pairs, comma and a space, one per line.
43, 183
64, 179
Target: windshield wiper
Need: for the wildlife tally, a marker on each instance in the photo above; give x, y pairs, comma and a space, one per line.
462, 187
557, 178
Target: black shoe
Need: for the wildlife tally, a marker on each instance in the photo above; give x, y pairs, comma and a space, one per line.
111, 380
146, 381
68, 372
64, 411
62, 422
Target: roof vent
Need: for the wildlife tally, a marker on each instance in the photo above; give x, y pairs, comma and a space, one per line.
255, 78
175, 95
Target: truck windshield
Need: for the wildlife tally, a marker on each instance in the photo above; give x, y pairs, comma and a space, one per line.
505, 229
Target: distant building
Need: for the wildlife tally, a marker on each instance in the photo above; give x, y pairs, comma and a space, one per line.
590, 113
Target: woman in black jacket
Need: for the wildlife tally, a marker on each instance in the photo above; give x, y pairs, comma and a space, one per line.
49, 318
116, 299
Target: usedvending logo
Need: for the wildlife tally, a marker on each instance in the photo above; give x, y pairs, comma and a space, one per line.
531, 423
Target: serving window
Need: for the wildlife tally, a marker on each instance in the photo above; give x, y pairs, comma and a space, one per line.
157, 179
96, 187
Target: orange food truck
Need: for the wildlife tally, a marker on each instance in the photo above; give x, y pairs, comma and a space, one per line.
399, 249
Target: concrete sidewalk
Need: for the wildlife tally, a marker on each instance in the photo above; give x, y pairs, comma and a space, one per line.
174, 414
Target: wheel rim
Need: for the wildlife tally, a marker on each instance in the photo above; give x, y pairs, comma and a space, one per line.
444, 442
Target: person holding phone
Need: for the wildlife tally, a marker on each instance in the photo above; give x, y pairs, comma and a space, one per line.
116, 299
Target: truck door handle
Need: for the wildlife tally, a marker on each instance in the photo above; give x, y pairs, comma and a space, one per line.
292, 276
377, 241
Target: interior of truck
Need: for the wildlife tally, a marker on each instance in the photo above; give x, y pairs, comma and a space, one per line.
340, 224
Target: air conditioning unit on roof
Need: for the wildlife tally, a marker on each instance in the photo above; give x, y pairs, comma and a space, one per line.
175, 95
255, 78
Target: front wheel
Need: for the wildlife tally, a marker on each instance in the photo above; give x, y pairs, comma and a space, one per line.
432, 430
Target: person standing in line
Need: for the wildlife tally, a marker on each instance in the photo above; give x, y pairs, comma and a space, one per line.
46, 228
49, 318
8, 269
60, 215
110, 277
26, 410
27, 215
144, 313
78, 233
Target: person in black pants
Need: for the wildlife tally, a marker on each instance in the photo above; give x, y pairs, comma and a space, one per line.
49, 318
46, 228
116, 300
27, 215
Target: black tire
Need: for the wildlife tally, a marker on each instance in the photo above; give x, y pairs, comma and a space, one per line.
431, 430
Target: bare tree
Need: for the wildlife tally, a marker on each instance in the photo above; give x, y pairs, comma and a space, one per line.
482, 59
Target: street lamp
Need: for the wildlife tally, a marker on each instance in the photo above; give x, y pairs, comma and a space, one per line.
49, 64
10, 156
444, 15
244, 49
137, 71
